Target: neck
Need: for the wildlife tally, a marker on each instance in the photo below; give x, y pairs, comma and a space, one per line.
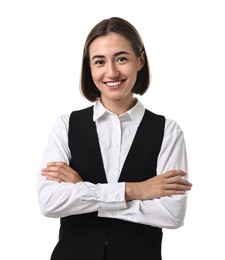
119, 107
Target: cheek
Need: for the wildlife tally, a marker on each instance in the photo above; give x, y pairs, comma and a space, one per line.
133, 74
132, 70
96, 74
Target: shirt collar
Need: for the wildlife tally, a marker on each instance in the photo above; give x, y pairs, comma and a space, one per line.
99, 110
136, 113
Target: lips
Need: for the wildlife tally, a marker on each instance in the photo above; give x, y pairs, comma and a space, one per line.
114, 84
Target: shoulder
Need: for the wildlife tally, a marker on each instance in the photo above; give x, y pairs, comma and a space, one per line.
81, 112
149, 113
81, 117
173, 129
172, 125
155, 118
61, 123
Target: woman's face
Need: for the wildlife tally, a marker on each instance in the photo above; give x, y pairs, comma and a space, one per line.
114, 67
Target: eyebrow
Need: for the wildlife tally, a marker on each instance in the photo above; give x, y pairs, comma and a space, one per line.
116, 54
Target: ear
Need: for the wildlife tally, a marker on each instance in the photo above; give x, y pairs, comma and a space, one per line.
141, 61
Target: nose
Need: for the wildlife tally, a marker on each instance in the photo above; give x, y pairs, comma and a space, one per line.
112, 70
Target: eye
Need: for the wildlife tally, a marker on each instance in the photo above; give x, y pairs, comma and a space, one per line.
121, 59
99, 62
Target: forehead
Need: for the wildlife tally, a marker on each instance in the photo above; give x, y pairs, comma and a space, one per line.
110, 43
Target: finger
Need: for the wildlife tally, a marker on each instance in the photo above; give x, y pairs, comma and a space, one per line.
62, 171
53, 174
62, 164
178, 187
68, 175
53, 179
55, 163
56, 169
174, 173
53, 169
174, 192
62, 168
178, 180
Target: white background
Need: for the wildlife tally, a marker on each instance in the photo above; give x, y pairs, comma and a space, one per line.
41, 43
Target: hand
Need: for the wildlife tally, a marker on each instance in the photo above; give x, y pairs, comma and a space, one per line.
60, 172
167, 184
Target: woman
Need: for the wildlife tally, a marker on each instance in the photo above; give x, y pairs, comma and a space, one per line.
114, 173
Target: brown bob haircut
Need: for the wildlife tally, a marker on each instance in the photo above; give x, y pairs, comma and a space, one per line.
127, 30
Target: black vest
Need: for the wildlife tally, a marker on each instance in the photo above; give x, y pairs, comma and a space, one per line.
84, 236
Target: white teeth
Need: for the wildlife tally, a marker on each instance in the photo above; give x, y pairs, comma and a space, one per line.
113, 84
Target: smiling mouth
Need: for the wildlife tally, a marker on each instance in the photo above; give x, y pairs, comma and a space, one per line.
114, 84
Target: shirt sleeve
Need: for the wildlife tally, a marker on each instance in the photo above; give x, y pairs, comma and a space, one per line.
164, 212
64, 199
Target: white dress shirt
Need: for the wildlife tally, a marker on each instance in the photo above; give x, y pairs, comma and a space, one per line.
116, 134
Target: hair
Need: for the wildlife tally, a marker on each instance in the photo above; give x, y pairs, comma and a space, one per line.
127, 30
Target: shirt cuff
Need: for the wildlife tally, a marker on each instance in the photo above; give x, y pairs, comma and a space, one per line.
111, 196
